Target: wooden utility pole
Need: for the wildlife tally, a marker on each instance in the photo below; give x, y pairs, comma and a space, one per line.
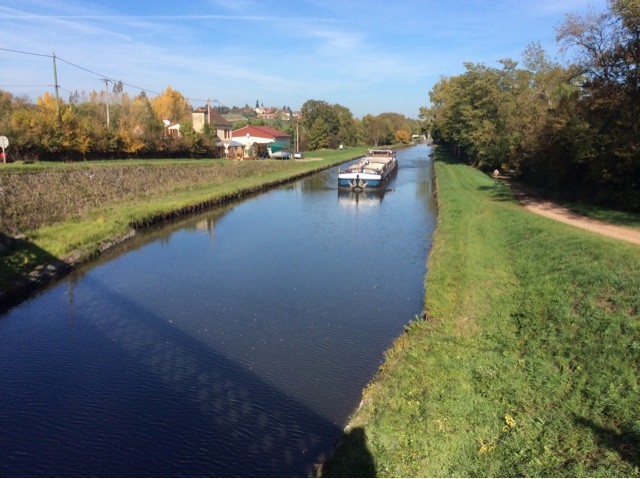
106, 85
55, 84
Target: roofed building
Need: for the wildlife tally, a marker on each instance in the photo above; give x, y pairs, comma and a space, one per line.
261, 140
206, 116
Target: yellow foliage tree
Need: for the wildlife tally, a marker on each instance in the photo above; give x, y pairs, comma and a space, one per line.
138, 126
172, 106
47, 103
403, 136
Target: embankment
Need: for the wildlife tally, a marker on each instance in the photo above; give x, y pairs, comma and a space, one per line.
527, 363
54, 216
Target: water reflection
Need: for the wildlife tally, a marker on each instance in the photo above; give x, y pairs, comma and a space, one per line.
190, 411
235, 342
360, 200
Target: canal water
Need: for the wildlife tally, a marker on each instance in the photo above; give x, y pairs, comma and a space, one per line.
233, 343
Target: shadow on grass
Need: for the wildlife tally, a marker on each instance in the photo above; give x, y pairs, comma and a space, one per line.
625, 443
444, 155
351, 457
498, 191
24, 267
621, 218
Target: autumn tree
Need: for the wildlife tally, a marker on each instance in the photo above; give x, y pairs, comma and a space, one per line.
139, 129
606, 49
573, 129
403, 136
172, 106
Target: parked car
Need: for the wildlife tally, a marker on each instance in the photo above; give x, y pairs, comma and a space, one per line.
281, 155
298, 155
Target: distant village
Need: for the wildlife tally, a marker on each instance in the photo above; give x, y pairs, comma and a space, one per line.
264, 132
103, 125
247, 141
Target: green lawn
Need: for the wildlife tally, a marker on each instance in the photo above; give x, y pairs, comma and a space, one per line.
528, 364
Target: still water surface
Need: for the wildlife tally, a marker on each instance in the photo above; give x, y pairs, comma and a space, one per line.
233, 343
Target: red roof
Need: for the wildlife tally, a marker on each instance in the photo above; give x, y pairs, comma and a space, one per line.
259, 132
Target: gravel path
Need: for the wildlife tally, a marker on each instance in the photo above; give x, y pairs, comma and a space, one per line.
545, 207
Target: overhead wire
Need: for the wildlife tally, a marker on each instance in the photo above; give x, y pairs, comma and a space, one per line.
103, 77
27, 86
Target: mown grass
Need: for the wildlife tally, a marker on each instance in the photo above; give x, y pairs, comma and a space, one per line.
80, 206
528, 364
622, 218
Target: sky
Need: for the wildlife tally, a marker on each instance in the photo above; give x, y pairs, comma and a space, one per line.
371, 56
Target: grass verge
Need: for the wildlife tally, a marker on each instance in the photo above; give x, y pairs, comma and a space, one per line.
528, 362
96, 203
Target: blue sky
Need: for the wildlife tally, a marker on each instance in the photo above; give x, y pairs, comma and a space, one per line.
371, 56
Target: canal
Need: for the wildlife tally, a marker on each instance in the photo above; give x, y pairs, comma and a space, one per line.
232, 343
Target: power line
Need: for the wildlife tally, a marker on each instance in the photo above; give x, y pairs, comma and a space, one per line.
106, 77
26, 86
101, 76
25, 53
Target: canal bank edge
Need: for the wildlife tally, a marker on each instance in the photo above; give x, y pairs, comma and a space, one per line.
468, 195
42, 274
351, 443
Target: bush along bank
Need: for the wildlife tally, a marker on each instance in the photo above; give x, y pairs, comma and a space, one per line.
54, 216
527, 364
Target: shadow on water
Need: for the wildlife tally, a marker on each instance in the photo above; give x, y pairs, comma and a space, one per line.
21, 286
193, 411
353, 458
18, 285
624, 443
143, 397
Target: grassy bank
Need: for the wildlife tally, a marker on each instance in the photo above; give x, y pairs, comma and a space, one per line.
528, 362
71, 211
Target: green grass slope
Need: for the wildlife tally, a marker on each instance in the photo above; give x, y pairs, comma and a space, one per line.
528, 363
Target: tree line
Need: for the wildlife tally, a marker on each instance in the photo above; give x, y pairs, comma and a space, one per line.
573, 129
328, 126
98, 125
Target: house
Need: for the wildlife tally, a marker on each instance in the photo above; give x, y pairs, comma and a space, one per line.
261, 140
206, 116
174, 130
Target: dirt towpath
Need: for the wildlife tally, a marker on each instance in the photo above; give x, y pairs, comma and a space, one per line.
535, 203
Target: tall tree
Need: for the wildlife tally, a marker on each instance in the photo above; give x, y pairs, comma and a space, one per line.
336, 122
347, 133
318, 135
172, 106
607, 50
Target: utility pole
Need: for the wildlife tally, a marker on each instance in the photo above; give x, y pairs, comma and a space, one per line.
106, 86
208, 111
55, 84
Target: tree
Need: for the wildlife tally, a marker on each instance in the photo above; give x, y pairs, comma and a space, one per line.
376, 130
403, 136
337, 125
347, 133
607, 51
574, 129
118, 88
313, 109
172, 106
139, 128
318, 135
